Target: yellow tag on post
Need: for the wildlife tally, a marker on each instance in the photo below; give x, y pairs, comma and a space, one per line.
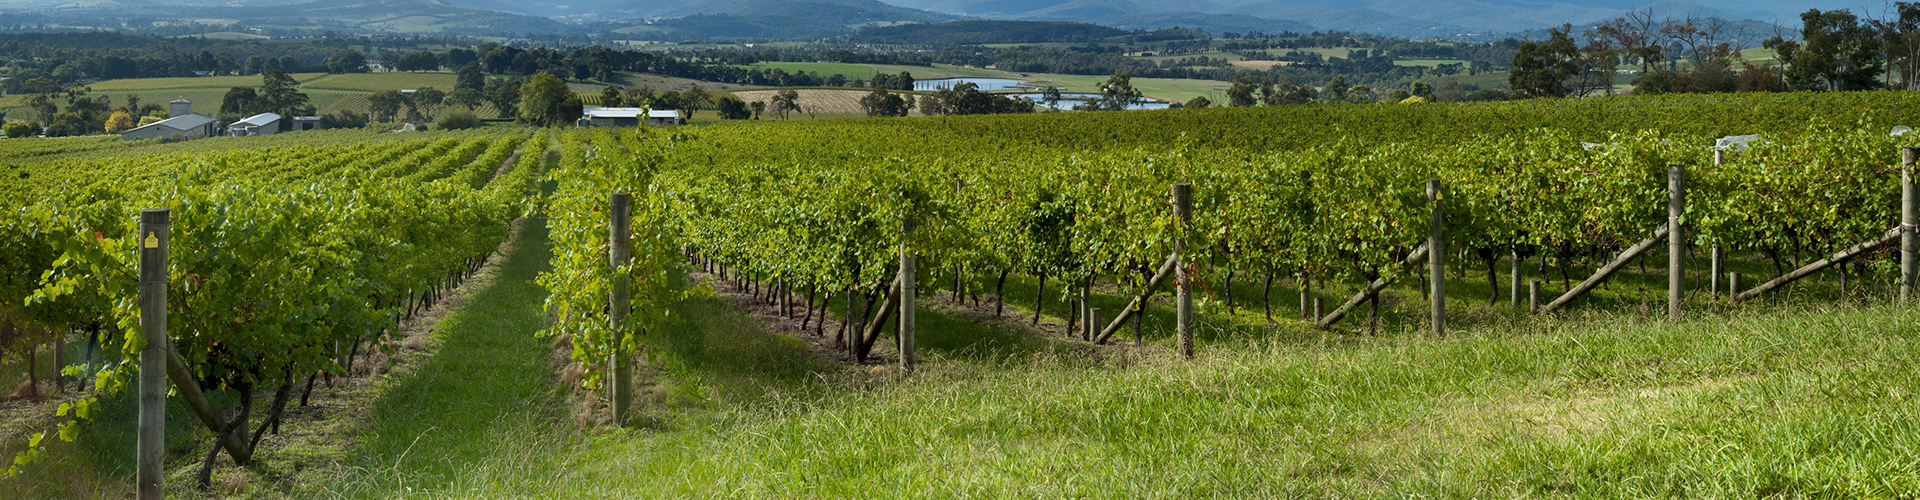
152, 241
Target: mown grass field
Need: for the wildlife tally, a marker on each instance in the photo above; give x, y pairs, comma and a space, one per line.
212, 82
375, 82
852, 71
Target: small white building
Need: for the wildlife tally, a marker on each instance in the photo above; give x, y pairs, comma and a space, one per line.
260, 124
663, 117
611, 117
627, 117
306, 123
182, 123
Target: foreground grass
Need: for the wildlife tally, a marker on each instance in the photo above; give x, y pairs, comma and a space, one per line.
1806, 401
483, 387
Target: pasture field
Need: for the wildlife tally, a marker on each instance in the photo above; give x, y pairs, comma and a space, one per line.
664, 83
200, 83
1429, 63
852, 71
815, 101
1211, 55
1171, 89
375, 82
480, 351
938, 71
227, 35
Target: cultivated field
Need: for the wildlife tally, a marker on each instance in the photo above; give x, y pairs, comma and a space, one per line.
470, 350
814, 100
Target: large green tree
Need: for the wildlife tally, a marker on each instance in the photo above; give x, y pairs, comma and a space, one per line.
879, 102
1901, 34
470, 77
1118, 93
1240, 95
281, 94
1542, 69
544, 101
1835, 52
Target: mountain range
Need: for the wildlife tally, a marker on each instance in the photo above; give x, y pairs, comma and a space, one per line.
668, 19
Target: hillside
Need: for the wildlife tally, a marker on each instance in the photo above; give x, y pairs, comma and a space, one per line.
985, 32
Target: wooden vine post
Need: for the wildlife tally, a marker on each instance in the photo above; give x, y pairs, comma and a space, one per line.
154, 225
1533, 296
620, 253
1437, 261
1093, 318
1183, 211
1676, 243
908, 289
1716, 268
1514, 292
1909, 222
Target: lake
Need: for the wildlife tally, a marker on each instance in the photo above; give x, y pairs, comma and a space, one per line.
983, 84
1070, 99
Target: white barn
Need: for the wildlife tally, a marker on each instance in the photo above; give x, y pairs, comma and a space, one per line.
627, 117
663, 117
260, 124
181, 123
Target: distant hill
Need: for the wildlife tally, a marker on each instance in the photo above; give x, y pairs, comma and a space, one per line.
779, 19
1215, 23
980, 32
1414, 18
675, 20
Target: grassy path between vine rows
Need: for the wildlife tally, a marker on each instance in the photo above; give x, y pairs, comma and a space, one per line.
1795, 401
483, 386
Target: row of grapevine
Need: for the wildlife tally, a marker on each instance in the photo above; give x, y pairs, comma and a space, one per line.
818, 208
594, 164
281, 257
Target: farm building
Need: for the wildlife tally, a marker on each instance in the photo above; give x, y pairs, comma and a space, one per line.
260, 124
181, 123
627, 117
663, 117
306, 123
611, 117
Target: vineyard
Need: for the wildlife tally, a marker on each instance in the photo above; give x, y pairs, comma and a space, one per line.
289, 258
284, 259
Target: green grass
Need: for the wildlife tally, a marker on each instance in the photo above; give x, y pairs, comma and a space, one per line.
938, 71
1428, 63
481, 389
852, 71
1791, 400
1210, 55
227, 35
375, 82
663, 83
1176, 89
201, 83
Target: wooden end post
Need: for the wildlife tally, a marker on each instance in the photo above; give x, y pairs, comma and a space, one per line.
1437, 261
1306, 291
1183, 210
908, 289
1533, 296
1676, 241
150, 449
620, 254
1715, 268
1733, 287
1515, 287
1909, 218
1093, 318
